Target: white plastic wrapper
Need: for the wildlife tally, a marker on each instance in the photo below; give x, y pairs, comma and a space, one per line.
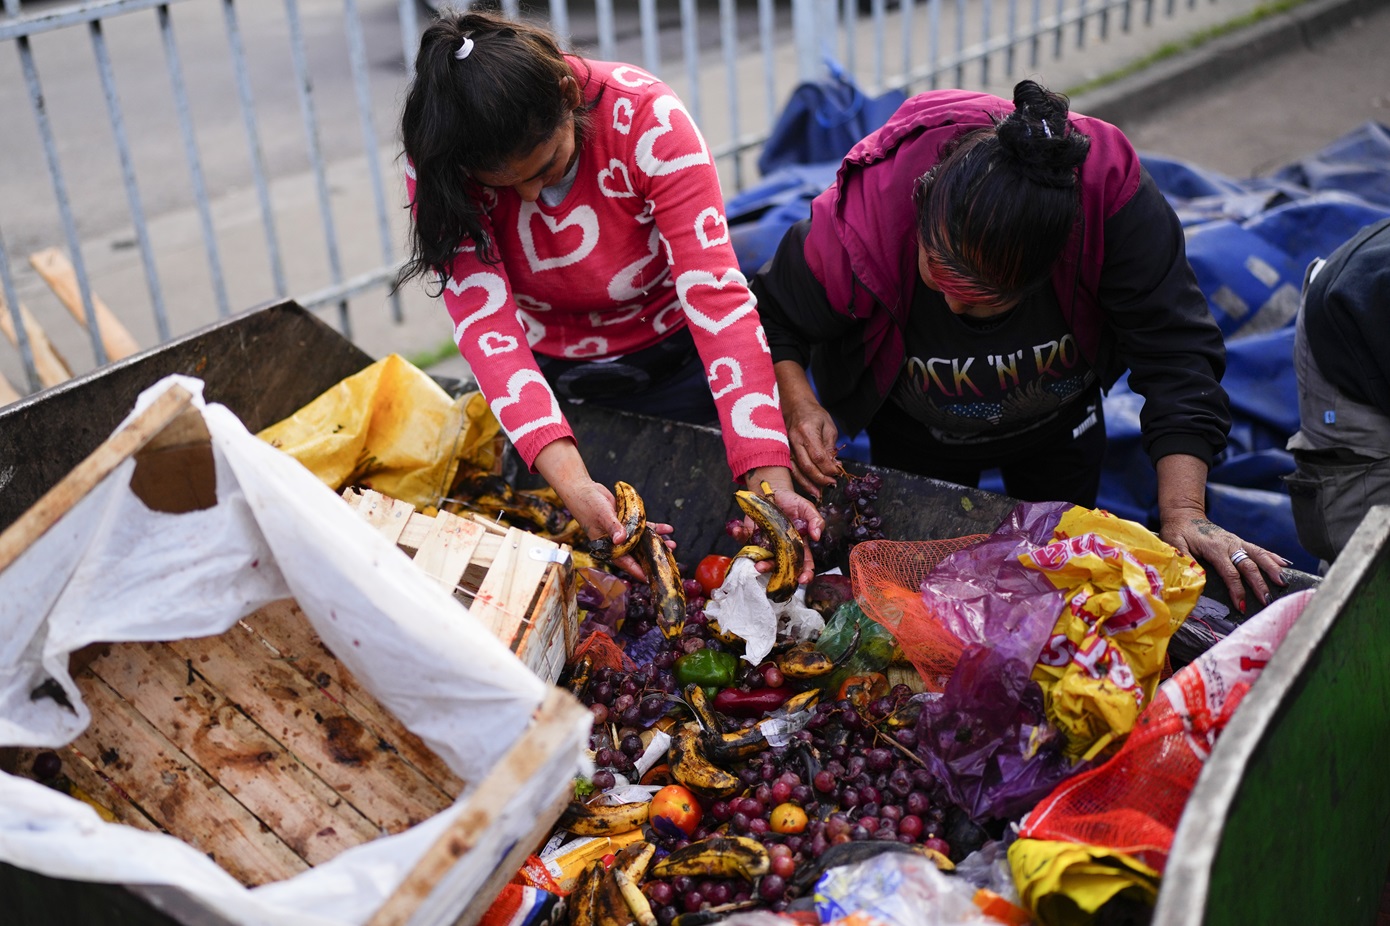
897, 889
112, 570
741, 606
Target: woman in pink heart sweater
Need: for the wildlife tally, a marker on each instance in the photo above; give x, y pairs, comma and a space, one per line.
569, 212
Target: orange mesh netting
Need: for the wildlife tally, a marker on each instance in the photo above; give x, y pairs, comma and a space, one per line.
606, 653
887, 576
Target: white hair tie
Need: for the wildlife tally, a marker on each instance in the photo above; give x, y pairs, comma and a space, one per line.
465, 49
1047, 129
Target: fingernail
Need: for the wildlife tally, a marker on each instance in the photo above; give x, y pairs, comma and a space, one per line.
1240, 606
1267, 598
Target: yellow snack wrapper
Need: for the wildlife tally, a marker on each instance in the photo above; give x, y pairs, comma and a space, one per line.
1064, 884
391, 428
1127, 591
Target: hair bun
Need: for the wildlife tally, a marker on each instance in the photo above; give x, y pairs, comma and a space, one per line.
1043, 145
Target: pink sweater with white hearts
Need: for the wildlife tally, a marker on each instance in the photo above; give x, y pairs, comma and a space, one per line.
638, 249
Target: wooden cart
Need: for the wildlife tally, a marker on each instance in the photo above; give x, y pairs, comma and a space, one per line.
257, 746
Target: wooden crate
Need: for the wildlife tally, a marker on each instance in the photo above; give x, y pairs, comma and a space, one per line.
257, 746
518, 584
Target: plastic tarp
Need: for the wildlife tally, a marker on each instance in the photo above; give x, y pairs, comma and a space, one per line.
113, 570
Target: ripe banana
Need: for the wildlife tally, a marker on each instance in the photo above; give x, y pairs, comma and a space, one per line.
754, 552
668, 593
716, 857
633, 515
610, 906
633, 860
637, 902
728, 748
698, 702
691, 768
604, 819
802, 701
583, 900
785, 544
804, 662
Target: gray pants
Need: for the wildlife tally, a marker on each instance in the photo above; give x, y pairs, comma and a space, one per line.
1342, 452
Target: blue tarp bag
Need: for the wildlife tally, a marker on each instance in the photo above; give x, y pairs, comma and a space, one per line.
823, 120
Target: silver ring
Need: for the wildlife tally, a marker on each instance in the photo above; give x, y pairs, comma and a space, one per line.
1239, 557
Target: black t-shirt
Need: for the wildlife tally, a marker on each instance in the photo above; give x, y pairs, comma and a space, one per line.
976, 381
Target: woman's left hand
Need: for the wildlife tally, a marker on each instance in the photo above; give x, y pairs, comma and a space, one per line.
795, 506
1238, 562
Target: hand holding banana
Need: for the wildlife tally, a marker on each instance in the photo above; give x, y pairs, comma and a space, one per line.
774, 483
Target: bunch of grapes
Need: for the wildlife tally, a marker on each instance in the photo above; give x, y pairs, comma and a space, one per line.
850, 509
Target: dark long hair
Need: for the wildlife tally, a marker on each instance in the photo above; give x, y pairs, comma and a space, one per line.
996, 211
475, 114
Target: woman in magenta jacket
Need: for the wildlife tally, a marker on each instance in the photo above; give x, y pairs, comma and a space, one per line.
979, 271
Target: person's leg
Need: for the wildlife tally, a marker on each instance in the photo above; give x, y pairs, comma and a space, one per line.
1065, 469
899, 441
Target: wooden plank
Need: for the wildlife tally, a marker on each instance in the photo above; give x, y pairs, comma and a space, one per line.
8, 393
505, 597
352, 758
446, 550
57, 501
50, 366
176, 792
283, 626
57, 271
257, 770
82, 772
388, 515
557, 716
549, 634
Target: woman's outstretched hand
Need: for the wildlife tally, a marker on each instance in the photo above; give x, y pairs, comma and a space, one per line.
796, 507
810, 429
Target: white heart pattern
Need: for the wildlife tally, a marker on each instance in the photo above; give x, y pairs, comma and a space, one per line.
693, 278
704, 218
582, 217
648, 213
622, 115
627, 284
664, 320
587, 347
735, 376
654, 166
535, 331
610, 173
530, 303
493, 285
761, 335
616, 317
518, 382
410, 170
629, 76
742, 416
493, 343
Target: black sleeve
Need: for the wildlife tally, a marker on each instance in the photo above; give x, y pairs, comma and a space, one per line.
1163, 329
795, 310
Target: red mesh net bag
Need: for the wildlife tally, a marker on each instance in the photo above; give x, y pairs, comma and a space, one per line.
887, 576
606, 653
1134, 801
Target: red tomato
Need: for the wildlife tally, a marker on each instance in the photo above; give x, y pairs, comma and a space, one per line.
711, 571
678, 806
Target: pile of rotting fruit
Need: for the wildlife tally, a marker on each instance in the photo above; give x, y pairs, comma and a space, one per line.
770, 774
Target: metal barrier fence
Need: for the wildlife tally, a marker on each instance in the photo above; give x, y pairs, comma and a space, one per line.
733, 61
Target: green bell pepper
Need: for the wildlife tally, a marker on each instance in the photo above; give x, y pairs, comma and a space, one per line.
706, 668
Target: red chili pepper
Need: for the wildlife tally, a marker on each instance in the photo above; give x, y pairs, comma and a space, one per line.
736, 702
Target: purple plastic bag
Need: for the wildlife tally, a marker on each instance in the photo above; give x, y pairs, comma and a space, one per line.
987, 738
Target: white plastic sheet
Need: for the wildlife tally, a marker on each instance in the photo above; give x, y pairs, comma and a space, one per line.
741, 605
112, 570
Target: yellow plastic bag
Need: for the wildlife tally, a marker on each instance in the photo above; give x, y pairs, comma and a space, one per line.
1127, 591
391, 428
1064, 884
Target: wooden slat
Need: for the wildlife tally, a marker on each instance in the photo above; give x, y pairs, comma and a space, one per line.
446, 550
50, 366
352, 758
283, 625
8, 393
176, 792
260, 773
82, 773
57, 501
57, 271
504, 599
556, 718
388, 515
